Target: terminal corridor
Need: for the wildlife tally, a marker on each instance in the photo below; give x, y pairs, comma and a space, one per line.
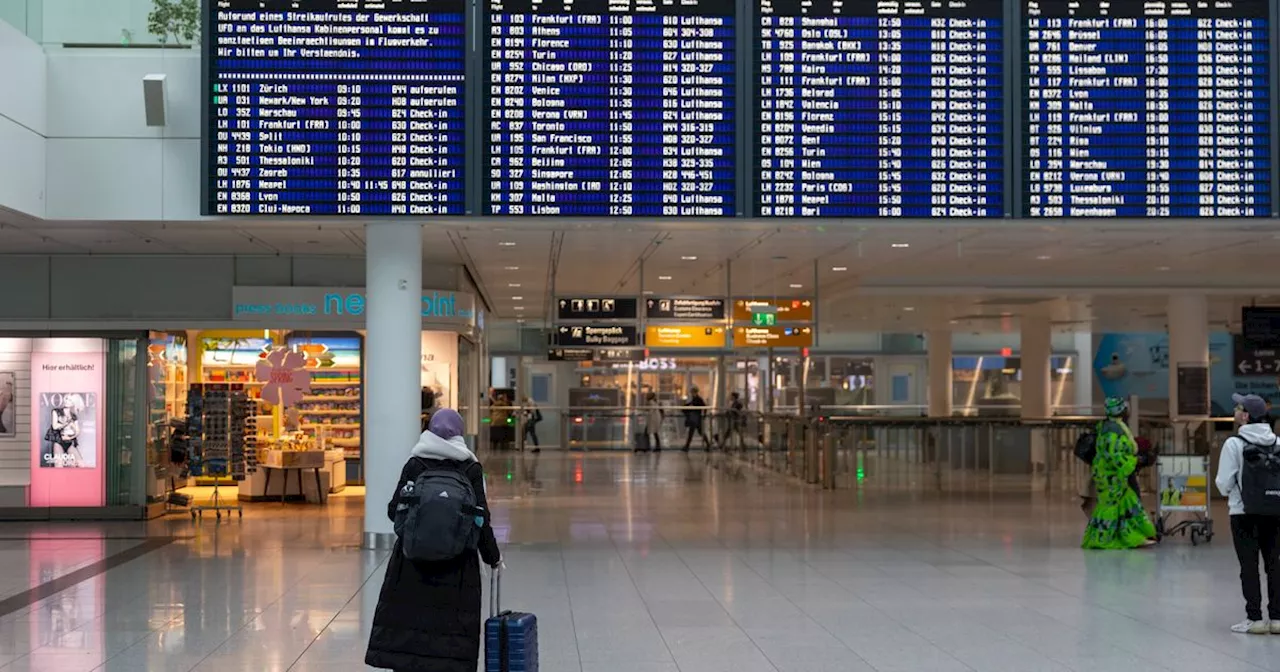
652, 563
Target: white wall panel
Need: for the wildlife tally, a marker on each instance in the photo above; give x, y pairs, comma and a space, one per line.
22, 167
97, 126
97, 93
22, 122
22, 79
103, 179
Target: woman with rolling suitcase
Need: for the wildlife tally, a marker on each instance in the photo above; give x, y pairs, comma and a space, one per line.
428, 614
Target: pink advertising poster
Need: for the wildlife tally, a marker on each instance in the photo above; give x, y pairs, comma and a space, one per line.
67, 423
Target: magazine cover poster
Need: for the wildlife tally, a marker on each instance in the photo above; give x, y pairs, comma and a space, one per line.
68, 427
8, 405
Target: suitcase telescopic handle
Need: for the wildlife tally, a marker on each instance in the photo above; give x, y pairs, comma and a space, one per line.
495, 591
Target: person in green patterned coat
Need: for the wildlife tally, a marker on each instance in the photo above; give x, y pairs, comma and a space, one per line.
1118, 520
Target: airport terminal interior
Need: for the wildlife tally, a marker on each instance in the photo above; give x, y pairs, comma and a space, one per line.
792, 335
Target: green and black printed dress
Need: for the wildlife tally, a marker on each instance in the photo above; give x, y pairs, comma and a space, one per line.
1119, 520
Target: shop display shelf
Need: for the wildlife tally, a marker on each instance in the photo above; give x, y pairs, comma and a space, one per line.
332, 425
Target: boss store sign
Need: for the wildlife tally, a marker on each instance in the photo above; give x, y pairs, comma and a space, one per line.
597, 335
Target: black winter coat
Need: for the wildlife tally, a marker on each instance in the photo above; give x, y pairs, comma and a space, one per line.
428, 614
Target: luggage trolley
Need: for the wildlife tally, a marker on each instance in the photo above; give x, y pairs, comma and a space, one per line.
1183, 487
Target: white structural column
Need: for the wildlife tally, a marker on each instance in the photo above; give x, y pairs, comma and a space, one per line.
1188, 338
1082, 373
940, 382
1037, 351
393, 352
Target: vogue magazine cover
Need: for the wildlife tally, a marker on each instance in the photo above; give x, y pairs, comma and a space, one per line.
68, 423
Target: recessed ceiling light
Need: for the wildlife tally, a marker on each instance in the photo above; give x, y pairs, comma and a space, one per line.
909, 308
1043, 257
510, 268
1162, 268
796, 285
519, 307
517, 298
647, 292
901, 245
664, 277
839, 268
507, 243
688, 257
513, 285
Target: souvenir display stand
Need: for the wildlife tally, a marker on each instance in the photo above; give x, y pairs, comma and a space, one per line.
217, 420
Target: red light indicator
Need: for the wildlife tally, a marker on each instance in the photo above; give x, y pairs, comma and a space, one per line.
1006, 352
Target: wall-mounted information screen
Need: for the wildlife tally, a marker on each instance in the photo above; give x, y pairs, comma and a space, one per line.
889, 109
610, 107
334, 107
1148, 109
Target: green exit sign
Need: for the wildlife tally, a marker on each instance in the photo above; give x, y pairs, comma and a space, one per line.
764, 319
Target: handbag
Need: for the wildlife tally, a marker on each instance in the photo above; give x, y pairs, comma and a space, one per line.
1086, 446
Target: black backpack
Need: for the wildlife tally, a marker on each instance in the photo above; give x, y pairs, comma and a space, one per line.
1260, 478
1087, 446
437, 518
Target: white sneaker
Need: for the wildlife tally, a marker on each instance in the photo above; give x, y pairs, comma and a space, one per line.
1275, 627
1248, 627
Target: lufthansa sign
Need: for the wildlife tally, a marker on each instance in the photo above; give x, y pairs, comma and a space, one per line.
339, 305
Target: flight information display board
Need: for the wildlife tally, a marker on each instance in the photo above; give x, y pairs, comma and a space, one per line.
886, 109
610, 107
1155, 109
334, 107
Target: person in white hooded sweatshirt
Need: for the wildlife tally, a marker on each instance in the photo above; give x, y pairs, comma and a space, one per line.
1254, 535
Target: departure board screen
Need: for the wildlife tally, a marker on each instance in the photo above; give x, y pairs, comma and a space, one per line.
1147, 109
610, 107
885, 109
334, 107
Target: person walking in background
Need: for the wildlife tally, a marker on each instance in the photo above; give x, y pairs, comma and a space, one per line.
736, 419
1254, 534
428, 613
652, 423
1118, 519
532, 416
693, 416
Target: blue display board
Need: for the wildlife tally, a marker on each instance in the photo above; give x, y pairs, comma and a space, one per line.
610, 107
1151, 109
334, 107
890, 109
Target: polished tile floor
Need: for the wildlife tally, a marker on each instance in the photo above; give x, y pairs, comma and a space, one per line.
648, 564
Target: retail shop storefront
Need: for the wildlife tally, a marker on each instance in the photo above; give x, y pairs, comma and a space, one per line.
69, 421
267, 404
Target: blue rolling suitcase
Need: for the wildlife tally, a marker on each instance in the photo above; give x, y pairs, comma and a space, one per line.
510, 637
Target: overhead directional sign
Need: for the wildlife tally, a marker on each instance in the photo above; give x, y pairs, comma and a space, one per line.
595, 355
788, 310
683, 336
596, 308
1250, 361
597, 335
772, 337
684, 308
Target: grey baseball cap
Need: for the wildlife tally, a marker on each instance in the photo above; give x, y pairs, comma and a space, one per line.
1252, 404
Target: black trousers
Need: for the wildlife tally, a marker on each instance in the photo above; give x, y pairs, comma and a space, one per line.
1255, 536
531, 433
696, 429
